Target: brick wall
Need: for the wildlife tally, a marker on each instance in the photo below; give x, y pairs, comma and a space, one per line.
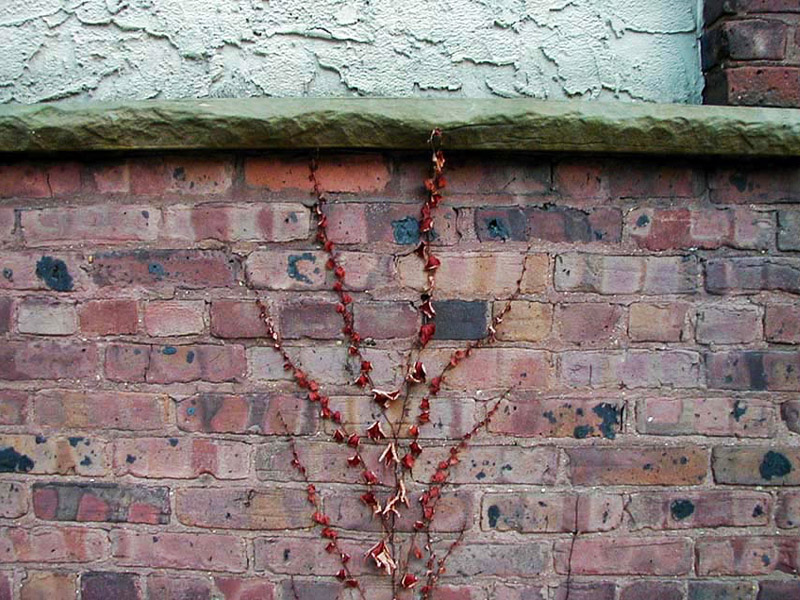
653, 350
751, 52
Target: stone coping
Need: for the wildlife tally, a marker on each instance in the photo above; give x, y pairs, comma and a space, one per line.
516, 125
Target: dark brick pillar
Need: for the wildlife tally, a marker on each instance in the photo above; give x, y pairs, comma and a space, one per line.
751, 52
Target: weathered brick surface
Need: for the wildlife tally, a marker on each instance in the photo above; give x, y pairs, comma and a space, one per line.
13, 499
686, 510
39, 585
601, 274
706, 416
625, 556
101, 502
650, 364
685, 465
756, 465
206, 552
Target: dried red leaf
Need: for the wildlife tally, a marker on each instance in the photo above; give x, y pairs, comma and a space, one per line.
339, 272
342, 574
366, 366
413, 430
354, 460
427, 309
417, 373
329, 533
321, 518
408, 461
409, 581
415, 448
432, 263
338, 435
370, 477
353, 440
426, 333
375, 432
384, 397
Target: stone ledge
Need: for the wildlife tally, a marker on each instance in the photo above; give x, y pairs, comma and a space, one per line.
401, 124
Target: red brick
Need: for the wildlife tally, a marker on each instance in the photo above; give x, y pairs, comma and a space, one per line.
388, 223
776, 86
631, 369
37, 180
528, 512
236, 319
707, 416
558, 417
207, 552
602, 180
750, 555
782, 323
46, 585
526, 322
454, 512
170, 587
563, 224
310, 319
649, 590
326, 364
386, 320
305, 270
519, 592
753, 274
257, 509
585, 590
183, 176
684, 509
105, 502
494, 368
245, 589
109, 317
110, 177
686, 465
47, 360
324, 461
41, 455
450, 418
44, 316
96, 224
653, 275
247, 413
6, 581
53, 545
756, 39
787, 511
657, 322
13, 407
13, 499
666, 229
174, 318
501, 224
345, 173
505, 561
755, 185
99, 586
127, 362
268, 222
192, 269
624, 556
771, 370
729, 324
495, 465
468, 276
509, 176
7, 219
61, 272
589, 323
778, 590
287, 555
773, 465
73, 409
6, 314
170, 364
789, 220
181, 458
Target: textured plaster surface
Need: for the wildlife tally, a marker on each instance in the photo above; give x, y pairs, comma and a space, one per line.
556, 49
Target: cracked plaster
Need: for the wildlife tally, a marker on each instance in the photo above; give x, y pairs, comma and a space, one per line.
555, 49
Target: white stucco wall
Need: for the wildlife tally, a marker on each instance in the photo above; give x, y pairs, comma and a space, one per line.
137, 49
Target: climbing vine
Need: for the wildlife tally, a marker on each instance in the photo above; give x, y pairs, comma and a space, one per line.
422, 563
